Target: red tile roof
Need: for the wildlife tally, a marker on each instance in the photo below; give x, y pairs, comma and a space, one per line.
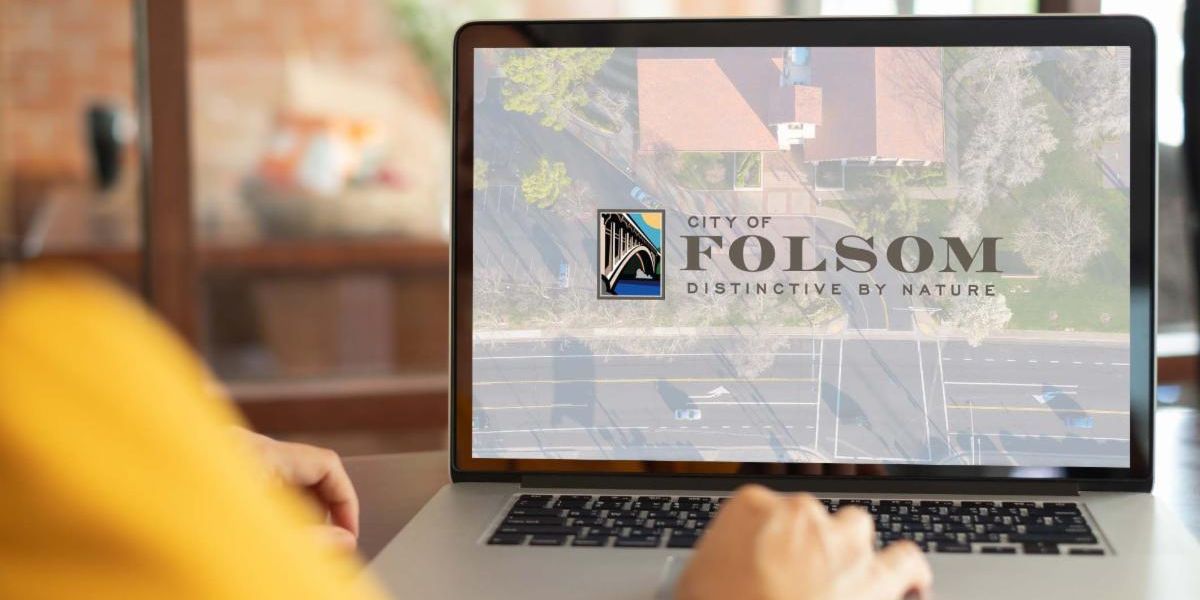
689, 104
879, 102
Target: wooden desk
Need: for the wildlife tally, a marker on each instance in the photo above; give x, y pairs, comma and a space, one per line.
393, 487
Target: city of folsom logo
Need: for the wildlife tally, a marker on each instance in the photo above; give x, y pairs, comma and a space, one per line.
630, 256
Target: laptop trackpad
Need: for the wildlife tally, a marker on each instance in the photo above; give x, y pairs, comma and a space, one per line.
671, 569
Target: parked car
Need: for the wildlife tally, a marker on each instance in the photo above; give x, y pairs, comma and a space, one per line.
642, 196
1081, 422
687, 414
1049, 396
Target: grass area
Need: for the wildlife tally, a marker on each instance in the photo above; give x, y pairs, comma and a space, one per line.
1043, 305
704, 170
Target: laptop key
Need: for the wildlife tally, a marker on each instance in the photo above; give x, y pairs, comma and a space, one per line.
594, 541
682, 540
1036, 548
547, 540
1052, 538
537, 529
1086, 551
532, 501
507, 539
526, 511
535, 521
641, 542
953, 548
997, 550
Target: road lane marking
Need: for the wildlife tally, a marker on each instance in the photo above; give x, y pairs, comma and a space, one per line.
651, 380
989, 360
837, 413
752, 403
531, 406
973, 408
924, 401
662, 355
1077, 362
1010, 360
542, 429
1054, 437
945, 412
1002, 383
820, 369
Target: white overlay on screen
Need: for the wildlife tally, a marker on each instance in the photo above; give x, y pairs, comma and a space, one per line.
793, 254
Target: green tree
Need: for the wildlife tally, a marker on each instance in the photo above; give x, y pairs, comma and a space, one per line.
479, 180
891, 212
550, 81
546, 184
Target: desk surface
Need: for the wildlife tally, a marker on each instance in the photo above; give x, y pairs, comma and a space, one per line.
393, 487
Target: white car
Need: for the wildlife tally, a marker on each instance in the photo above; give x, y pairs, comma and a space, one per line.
687, 414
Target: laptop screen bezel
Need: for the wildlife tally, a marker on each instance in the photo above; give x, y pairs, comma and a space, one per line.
1134, 32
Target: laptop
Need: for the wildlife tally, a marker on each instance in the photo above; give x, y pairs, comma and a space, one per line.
907, 264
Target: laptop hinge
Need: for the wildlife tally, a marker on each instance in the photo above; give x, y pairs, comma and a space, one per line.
850, 486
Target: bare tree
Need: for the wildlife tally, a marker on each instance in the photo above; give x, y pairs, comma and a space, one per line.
1099, 94
976, 317
1062, 238
1007, 147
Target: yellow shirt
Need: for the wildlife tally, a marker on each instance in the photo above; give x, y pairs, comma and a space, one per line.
119, 477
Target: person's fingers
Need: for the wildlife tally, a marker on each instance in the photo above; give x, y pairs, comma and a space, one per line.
335, 537
855, 534
754, 498
903, 570
321, 472
335, 490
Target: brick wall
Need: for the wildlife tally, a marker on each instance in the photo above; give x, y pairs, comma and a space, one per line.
57, 56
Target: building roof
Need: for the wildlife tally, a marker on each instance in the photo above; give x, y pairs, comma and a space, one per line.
717, 99
878, 102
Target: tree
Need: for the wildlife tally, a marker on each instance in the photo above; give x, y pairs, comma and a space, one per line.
546, 184
1099, 96
480, 180
550, 81
1007, 147
1058, 242
976, 316
890, 211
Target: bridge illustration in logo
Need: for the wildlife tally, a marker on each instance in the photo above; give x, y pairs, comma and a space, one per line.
630, 255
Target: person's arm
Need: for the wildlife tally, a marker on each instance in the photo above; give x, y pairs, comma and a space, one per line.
120, 476
766, 546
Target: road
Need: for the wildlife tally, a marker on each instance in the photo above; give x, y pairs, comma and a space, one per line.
840, 398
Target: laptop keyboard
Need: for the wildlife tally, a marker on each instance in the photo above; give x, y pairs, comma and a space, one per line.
943, 526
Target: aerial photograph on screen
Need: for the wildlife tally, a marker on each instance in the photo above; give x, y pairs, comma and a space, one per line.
802, 254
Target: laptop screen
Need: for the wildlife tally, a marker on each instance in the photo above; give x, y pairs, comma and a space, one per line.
802, 254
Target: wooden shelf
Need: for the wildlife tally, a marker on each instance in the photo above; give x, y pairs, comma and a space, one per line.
315, 256
377, 402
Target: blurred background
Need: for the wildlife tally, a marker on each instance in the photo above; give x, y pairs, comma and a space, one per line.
294, 227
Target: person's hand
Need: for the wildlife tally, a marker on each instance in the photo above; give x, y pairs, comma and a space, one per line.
766, 546
319, 472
